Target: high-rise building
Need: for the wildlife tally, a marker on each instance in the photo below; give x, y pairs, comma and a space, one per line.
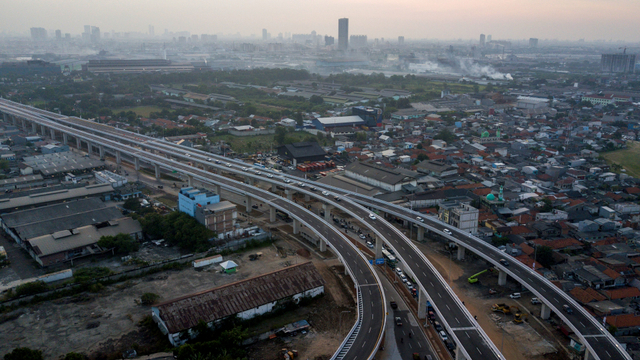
95, 34
38, 33
152, 30
481, 40
264, 35
533, 43
488, 38
400, 40
618, 63
358, 41
343, 34
329, 40
58, 35
87, 29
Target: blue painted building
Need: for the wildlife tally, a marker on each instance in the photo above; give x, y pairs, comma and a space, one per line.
54, 148
372, 116
190, 197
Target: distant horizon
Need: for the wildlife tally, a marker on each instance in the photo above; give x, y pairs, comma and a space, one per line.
547, 20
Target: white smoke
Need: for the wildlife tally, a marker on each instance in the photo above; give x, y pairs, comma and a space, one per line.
465, 67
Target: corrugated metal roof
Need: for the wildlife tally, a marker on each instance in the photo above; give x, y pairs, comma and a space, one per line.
210, 305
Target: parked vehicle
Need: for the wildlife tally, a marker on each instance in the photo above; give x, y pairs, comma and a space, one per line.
515, 296
535, 301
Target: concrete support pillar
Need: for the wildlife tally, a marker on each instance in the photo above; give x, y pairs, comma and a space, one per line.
420, 233
323, 245
272, 214
289, 194
43, 130
587, 354
545, 311
327, 211
65, 138
89, 148
378, 241
274, 187
53, 134
157, 168
459, 354
307, 197
422, 304
218, 189
34, 128
502, 278
5, 118
190, 183
460, 253
118, 156
136, 163
247, 201
296, 227
248, 180
78, 143
14, 120
101, 150
24, 125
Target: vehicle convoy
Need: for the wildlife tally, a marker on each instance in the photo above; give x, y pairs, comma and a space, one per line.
503, 308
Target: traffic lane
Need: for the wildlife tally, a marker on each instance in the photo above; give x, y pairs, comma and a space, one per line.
409, 345
469, 340
605, 349
371, 327
453, 315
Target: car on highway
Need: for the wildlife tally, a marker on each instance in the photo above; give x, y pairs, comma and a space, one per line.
369, 244
245, 169
447, 231
270, 176
229, 165
337, 198
287, 181
209, 159
443, 335
504, 262
361, 236
403, 277
257, 173
394, 305
535, 301
420, 219
515, 296
187, 154
567, 309
398, 321
409, 284
313, 188
325, 193
437, 325
399, 271
218, 162
300, 183
372, 216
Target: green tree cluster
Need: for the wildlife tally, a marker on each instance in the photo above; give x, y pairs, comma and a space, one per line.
445, 135
24, 353
215, 345
178, 228
121, 243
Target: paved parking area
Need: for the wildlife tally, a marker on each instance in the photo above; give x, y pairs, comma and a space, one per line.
22, 264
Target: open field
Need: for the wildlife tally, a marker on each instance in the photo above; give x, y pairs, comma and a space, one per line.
140, 110
628, 158
253, 144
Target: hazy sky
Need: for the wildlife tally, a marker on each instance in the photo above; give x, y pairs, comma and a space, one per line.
444, 19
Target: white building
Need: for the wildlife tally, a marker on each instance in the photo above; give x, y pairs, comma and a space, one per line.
463, 216
107, 177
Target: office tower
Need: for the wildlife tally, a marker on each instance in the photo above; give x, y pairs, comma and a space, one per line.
358, 41
38, 34
152, 30
58, 35
264, 34
343, 34
618, 63
87, 29
194, 38
481, 40
329, 40
67, 36
400, 40
533, 43
95, 34
488, 38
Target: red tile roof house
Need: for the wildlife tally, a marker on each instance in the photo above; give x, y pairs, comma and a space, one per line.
625, 293
626, 324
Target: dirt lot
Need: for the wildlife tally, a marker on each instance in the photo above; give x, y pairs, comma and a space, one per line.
521, 341
107, 322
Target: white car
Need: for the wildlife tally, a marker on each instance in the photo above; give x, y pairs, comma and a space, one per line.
447, 231
369, 244
287, 181
420, 219
515, 296
372, 216
229, 165
187, 155
209, 160
270, 176
399, 271
245, 169
325, 193
257, 173
301, 184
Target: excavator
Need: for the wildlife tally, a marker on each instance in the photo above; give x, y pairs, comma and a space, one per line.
474, 278
503, 308
519, 317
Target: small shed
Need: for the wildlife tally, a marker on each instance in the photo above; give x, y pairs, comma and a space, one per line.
229, 266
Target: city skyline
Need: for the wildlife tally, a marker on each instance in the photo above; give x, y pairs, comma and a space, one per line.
461, 19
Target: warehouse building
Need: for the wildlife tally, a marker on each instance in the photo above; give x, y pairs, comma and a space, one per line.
60, 164
384, 178
59, 195
328, 123
302, 152
243, 299
190, 198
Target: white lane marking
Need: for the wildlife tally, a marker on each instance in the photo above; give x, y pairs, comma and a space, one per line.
410, 345
479, 350
423, 273
607, 353
556, 299
581, 323
457, 320
431, 283
448, 308
466, 333
440, 295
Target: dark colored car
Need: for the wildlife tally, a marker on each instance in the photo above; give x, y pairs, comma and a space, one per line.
394, 305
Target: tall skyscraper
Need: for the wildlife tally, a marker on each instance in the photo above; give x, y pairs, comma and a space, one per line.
400, 40
618, 63
95, 34
329, 40
488, 38
58, 35
533, 43
152, 30
343, 34
481, 40
264, 35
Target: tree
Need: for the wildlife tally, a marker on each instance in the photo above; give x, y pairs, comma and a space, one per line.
74, 356
316, 100
445, 135
544, 255
298, 118
121, 243
420, 147
149, 298
361, 136
24, 353
281, 133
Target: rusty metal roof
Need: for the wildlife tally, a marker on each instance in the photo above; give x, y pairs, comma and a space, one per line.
185, 312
